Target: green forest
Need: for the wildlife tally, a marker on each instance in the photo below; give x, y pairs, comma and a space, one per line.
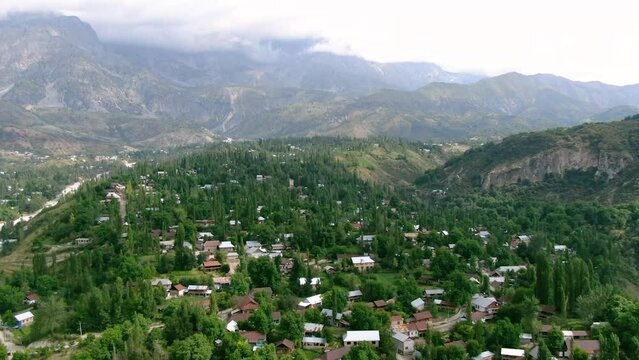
201, 255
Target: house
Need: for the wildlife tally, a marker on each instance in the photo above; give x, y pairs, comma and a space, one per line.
167, 245
112, 195
221, 282
330, 270
313, 328
31, 298
82, 241
178, 290
403, 343
165, 283
422, 316
336, 354
367, 239
363, 263
525, 338
352, 338
314, 282
485, 355
488, 305
232, 326
312, 342
276, 316
310, 302
210, 246
284, 347
239, 317
328, 313
254, 338
354, 295
102, 218
396, 320
246, 304
251, 244
198, 290
211, 265
24, 319
418, 304
590, 347
434, 293
226, 246
484, 235
378, 304
512, 354
286, 265
560, 248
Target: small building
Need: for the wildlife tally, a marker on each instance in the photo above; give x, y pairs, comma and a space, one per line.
355, 295
363, 263
254, 338
488, 305
354, 337
434, 293
286, 265
167, 245
310, 302
512, 354
31, 298
403, 343
82, 241
211, 265
418, 304
560, 248
422, 316
503, 270
198, 290
221, 283
210, 246
367, 239
314, 282
336, 354
590, 347
226, 246
284, 347
313, 328
165, 283
24, 319
178, 290
246, 304
313, 342
485, 355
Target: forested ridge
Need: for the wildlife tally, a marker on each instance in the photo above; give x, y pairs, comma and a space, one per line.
549, 266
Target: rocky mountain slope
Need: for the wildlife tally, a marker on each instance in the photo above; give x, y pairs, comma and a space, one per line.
599, 160
63, 90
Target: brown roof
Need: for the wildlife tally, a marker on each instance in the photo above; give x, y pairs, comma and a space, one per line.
252, 336
456, 343
211, 243
379, 303
423, 315
179, 287
33, 297
589, 346
237, 317
396, 318
286, 343
548, 309
211, 264
422, 326
222, 280
247, 303
276, 316
336, 354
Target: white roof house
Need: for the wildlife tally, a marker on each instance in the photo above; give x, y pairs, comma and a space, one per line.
226, 245
314, 281
483, 234
482, 303
253, 244
311, 301
400, 337
354, 293
561, 248
434, 292
367, 238
313, 328
418, 304
484, 355
232, 326
361, 335
358, 260
23, 316
205, 235
329, 314
512, 352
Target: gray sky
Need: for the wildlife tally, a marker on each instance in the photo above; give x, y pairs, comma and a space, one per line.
582, 40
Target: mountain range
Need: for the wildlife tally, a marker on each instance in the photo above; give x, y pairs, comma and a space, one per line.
64, 90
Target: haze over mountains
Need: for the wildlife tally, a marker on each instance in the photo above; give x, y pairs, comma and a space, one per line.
63, 90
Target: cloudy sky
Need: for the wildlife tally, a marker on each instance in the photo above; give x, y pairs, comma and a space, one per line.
582, 40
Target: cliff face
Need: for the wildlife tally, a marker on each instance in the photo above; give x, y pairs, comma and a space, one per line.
557, 161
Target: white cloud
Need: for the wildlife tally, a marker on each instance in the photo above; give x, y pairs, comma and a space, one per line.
583, 40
